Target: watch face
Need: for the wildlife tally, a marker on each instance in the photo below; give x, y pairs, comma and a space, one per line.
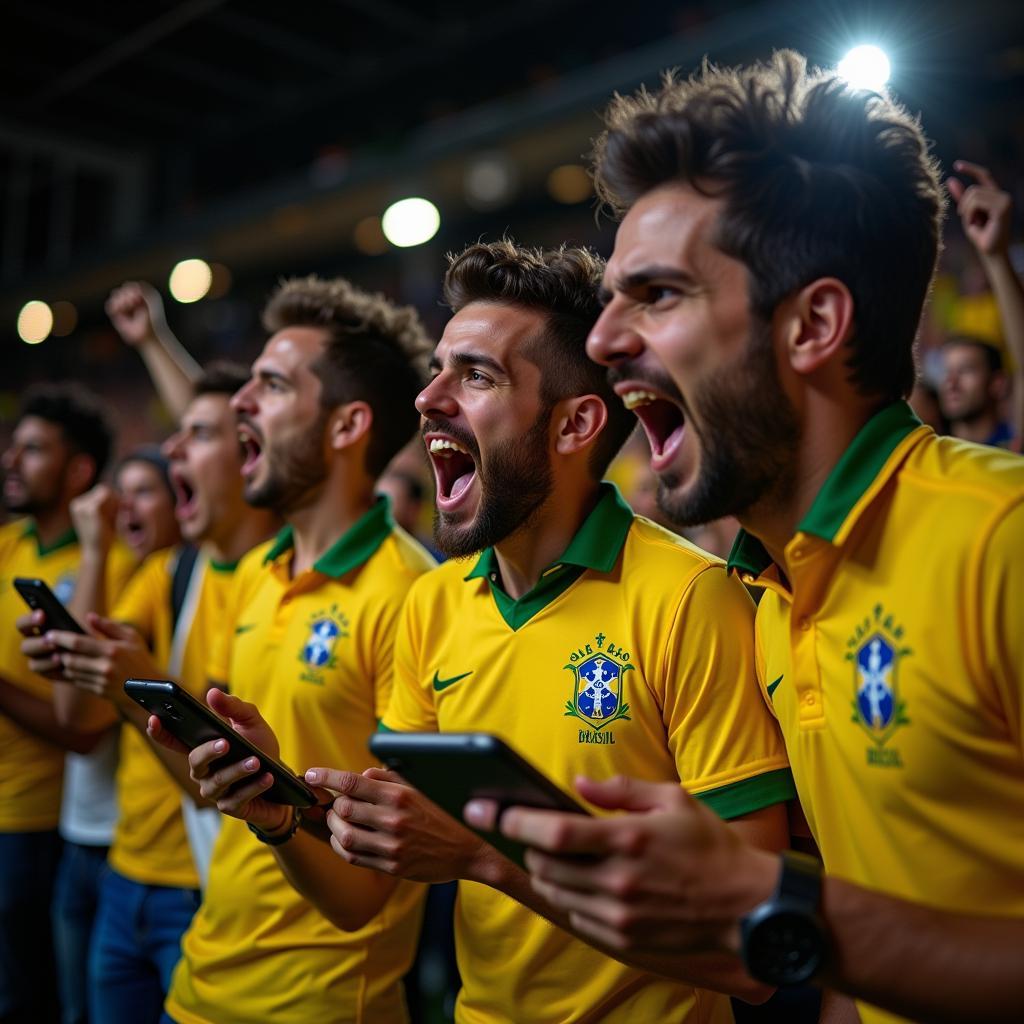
785, 948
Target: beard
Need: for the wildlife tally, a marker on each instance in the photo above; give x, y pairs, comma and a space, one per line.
516, 481
295, 471
748, 433
28, 502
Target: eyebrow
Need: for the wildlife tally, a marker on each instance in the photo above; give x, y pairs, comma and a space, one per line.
643, 276
265, 375
463, 359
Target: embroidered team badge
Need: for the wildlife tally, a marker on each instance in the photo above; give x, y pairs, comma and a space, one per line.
876, 650
326, 628
598, 688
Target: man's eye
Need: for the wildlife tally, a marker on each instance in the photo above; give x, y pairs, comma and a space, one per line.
656, 293
476, 376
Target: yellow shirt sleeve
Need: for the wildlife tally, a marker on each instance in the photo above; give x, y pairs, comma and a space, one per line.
727, 747
1001, 609
148, 588
218, 665
411, 707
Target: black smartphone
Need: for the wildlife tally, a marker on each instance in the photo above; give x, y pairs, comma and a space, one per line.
37, 594
194, 723
454, 768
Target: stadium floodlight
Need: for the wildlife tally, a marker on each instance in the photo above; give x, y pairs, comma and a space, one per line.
866, 67
410, 222
35, 321
190, 280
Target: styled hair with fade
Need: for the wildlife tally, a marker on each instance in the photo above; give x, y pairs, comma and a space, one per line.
817, 179
376, 353
85, 427
561, 284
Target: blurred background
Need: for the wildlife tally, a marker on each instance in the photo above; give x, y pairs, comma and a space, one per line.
212, 147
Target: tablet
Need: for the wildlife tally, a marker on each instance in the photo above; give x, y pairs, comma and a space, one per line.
454, 768
192, 722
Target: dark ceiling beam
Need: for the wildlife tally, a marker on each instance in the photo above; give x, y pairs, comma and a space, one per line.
122, 49
301, 48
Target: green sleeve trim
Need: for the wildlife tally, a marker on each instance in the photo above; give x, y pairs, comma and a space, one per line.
749, 795
381, 727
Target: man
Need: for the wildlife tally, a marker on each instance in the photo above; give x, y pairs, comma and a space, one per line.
779, 236
163, 624
971, 391
588, 639
308, 635
145, 510
60, 446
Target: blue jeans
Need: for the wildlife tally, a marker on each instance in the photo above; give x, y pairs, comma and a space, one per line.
136, 944
74, 910
28, 986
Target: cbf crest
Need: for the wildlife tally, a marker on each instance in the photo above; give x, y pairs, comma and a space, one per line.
876, 650
599, 671
327, 628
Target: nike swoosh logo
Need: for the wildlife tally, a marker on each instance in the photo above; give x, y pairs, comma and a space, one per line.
239, 630
443, 684
772, 687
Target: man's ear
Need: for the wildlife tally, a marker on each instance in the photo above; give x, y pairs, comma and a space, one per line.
814, 324
348, 424
579, 420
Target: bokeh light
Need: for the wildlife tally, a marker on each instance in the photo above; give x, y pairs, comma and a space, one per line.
35, 321
570, 184
190, 280
410, 222
866, 67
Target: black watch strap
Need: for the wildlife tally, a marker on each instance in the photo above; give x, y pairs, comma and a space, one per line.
800, 879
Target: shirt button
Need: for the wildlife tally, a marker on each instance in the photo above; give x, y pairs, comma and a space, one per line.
810, 700
494, 577
804, 623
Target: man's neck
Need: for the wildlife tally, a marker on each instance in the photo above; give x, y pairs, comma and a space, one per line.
978, 428
827, 434
252, 527
318, 526
51, 525
525, 554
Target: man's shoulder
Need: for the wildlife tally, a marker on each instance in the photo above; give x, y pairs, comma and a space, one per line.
657, 551
955, 470
411, 556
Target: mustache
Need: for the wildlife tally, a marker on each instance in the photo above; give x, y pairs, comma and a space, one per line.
455, 433
657, 380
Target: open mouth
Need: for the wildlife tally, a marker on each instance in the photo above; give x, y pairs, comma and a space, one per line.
454, 470
251, 448
662, 419
134, 533
184, 494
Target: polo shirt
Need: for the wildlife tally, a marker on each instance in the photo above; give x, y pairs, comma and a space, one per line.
893, 658
634, 655
314, 654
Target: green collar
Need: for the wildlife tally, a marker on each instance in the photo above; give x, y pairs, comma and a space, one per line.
223, 566
854, 473
67, 538
352, 549
596, 546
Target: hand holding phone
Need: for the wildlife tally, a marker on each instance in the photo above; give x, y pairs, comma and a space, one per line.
454, 768
193, 724
37, 594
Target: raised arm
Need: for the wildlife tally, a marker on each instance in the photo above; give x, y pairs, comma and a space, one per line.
137, 313
986, 213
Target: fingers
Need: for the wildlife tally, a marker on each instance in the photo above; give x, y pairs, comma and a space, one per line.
956, 189
361, 842
241, 712
628, 794
77, 643
332, 778
158, 734
980, 174
558, 832
384, 775
482, 814
360, 787
31, 623
111, 629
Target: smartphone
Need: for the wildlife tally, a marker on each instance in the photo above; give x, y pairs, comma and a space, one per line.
194, 723
37, 594
454, 768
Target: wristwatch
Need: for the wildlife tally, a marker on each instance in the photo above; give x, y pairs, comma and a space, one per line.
283, 837
783, 940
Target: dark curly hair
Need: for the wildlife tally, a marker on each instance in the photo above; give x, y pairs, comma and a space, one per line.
562, 284
817, 178
376, 353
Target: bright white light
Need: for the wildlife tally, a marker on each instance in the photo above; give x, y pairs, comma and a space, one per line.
35, 321
410, 222
865, 67
190, 280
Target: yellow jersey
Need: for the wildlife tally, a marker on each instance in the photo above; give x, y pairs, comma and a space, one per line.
150, 843
633, 655
314, 654
31, 769
893, 658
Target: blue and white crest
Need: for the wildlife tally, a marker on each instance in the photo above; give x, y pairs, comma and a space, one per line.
876, 694
64, 588
598, 688
319, 648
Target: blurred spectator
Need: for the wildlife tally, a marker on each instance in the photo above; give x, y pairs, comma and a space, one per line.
972, 390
